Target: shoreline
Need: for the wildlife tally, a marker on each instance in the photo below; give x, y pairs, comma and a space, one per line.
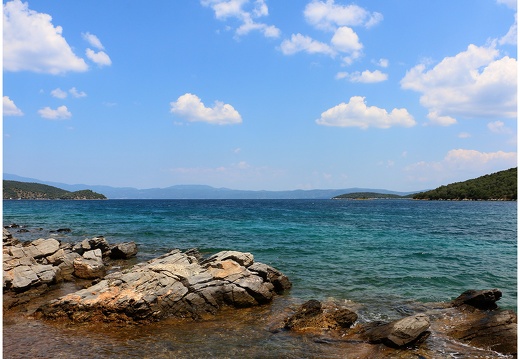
338, 336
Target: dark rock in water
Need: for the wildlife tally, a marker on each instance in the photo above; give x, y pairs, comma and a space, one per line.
478, 322
399, 333
123, 250
63, 230
481, 299
313, 316
307, 310
171, 285
495, 330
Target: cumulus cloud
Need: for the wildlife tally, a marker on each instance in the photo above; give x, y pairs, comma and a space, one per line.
10, 109
499, 127
100, 57
461, 163
32, 43
326, 15
246, 11
58, 93
61, 113
363, 77
473, 83
93, 40
357, 114
383, 63
299, 42
191, 108
511, 37
77, 94
339, 19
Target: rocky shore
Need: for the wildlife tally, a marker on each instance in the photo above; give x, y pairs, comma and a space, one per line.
187, 285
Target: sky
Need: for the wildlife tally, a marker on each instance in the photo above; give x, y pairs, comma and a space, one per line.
402, 95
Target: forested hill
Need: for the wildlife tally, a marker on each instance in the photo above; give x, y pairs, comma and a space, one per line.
496, 186
28, 190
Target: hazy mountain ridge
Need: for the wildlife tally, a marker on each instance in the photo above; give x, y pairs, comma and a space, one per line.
201, 191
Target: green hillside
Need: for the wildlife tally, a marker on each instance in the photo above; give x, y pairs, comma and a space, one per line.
28, 190
501, 186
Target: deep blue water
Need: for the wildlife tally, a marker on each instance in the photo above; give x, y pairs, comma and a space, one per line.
376, 252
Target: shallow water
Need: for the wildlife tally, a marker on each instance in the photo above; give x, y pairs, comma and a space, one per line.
383, 254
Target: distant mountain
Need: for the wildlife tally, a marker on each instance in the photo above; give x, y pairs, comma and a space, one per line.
201, 191
31, 190
501, 185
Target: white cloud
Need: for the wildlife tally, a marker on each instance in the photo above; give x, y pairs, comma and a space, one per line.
439, 120
509, 3
299, 42
93, 40
383, 63
190, 107
32, 43
357, 114
246, 11
345, 40
10, 109
464, 135
461, 163
363, 77
326, 15
77, 94
61, 113
511, 37
499, 127
473, 83
58, 93
100, 57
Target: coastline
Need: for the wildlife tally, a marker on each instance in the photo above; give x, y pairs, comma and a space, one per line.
281, 310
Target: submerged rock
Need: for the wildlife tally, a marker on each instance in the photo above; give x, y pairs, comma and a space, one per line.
313, 316
174, 284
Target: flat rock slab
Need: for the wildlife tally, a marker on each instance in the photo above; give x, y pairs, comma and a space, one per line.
175, 284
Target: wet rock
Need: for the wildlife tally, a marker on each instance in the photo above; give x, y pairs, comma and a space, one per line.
170, 285
481, 299
313, 316
399, 333
495, 330
123, 250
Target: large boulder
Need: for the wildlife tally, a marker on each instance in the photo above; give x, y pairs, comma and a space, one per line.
174, 284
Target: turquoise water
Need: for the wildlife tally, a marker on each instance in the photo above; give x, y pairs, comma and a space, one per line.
379, 252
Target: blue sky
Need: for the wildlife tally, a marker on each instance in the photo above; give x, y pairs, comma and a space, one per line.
254, 94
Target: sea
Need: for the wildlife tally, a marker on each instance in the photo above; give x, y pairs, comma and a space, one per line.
384, 255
